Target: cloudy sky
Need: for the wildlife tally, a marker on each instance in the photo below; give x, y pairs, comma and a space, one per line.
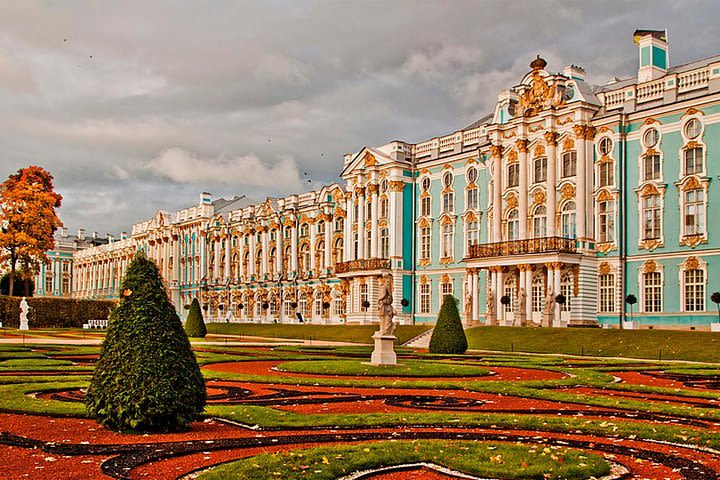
136, 106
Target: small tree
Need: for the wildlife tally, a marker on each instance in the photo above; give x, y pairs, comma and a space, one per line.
448, 336
195, 324
147, 378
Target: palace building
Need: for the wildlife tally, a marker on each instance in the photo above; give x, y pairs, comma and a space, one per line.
551, 210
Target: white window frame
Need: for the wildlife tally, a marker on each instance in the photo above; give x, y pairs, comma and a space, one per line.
447, 240
701, 287
424, 297
607, 293
651, 298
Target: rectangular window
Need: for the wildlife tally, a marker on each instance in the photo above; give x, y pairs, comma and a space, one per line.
606, 285
513, 175
425, 206
694, 212
652, 292
693, 161
694, 290
363, 296
448, 202
472, 199
66, 285
651, 217
652, 167
384, 243
569, 164
425, 298
425, 243
48, 284
445, 290
448, 239
383, 207
606, 221
472, 232
540, 170
606, 174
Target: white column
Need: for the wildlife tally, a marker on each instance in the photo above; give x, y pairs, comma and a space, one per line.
474, 293
216, 264
492, 278
279, 250
521, 284
265, 252
499, 289
328, 243
581, 133
522, 146
361, 223
241, 246
496, 152
294, 247
251, 259
551, 138
556, 289
528, 291
227, 257
373, 221
393, 221
313, 238
347, 233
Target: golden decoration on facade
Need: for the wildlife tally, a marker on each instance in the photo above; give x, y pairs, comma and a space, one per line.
373, 188
603, 129
536, 128
424, 223
590, 132
511, 201
471, 217
509, 134
470, 161
446, 260
605, 247
650, 152
567, 191
604, 195
423, 279
512, 156
361, 265
650, 266
691, 144
551, 138
649, 189
649, 121
522, 145
539, 150
692, 241
538, 197
692, 263
424, 262
383, 174
692, 111
538, 96
605, 159
650, 245
496, 151
360, 191
340, 213
579, 131
565, 120
289, 221
445, 278
396, 186
692, 183
370, 160
446, 220
568, 144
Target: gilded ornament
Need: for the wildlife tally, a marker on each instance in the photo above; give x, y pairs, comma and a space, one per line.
692, 241
650, 266
522, 145
512, 156
539, 150
568, 144
496, 151
567, 191
649, 189
692, 183
538, 96
551, 138
370, 160
692, 263
538, 198
509, 134
512, 201
649, 121
373, 188
396, 186
692, 111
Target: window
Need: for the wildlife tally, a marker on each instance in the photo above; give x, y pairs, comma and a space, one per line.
356, 245
448, 202
540, 169
693, 128
303, 230
567, 220
607, 176
304, 258
273, 307
287, 307
368, 242
472, 230
651, 137
694, 288
447, 179
303, 307
317, 307
472, 175
65, 285
694, 212
605, 146
384, 243
338, 252
425, 206
472, 199
363, 296
510, 291
569, 164
383, 208
445, 290
368, 210
338, 306
320, 255
513, 226
287, 232
651, 217
339, 224
425, 184
606, 221
652, 167
513, 175
540, 222
448, 239
425, 243
356, 211
693, 161
652, 292
606, 297
48, 283
566, 290
538, 292
424, 298
383, 185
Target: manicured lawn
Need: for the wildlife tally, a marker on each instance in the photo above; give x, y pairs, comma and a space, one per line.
495, 460
651, 344
407, 368
334, 333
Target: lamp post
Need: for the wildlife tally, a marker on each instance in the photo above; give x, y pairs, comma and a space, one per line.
715, 297
630, 300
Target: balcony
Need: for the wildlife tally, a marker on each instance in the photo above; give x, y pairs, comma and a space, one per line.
363, 265
522, 247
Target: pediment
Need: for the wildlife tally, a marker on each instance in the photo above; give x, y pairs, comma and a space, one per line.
366, 158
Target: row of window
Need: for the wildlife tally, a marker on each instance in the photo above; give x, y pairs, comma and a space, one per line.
692, 290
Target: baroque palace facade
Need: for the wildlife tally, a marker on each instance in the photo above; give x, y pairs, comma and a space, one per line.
549, 211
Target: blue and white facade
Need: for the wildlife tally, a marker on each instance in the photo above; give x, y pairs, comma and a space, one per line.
588, 192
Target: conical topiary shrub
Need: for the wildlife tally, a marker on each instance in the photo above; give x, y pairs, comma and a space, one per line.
448, 336
147, 378
195, 324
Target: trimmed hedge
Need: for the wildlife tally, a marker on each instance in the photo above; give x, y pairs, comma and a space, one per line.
54, 312
195, 324
448, 336
147, 378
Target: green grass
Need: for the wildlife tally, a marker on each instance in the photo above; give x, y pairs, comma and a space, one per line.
334, 333
496, 460
406, 368
650, 344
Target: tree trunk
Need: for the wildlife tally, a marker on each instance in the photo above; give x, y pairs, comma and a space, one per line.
11, 286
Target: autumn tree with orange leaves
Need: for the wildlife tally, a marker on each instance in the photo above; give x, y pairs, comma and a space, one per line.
28, 218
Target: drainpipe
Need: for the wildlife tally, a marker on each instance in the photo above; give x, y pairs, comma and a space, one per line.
413, 270
622, 237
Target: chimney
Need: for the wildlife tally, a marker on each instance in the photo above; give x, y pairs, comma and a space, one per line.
95, 235
63, 232
123, 235
110, 238
205, 198
652, 53
81, 234
574, 72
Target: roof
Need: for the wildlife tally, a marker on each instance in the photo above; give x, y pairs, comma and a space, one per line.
482, 121
224, 205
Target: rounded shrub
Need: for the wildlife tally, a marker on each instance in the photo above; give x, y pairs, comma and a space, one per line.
195, 324
147, 378
448, 335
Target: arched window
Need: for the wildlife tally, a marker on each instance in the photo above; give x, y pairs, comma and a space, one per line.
424, 243
235, 265
448, 202
607, 174
211, 265
338, 305
513, 225
569, 164
304, 258
287, 255
339, 224
606, 221
338, 250
540, 222
693, 161
258, 262
320, 256
383, 207
271, 261
472, 231
304, 231
273, 306
317, 305
49, 283
511, 291
363, 297
567, 220
288, 311
472, 198
540, 170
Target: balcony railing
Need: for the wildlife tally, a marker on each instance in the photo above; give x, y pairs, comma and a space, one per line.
520, 247
363, 265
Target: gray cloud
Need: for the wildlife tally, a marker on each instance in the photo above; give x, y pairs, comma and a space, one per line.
139, 106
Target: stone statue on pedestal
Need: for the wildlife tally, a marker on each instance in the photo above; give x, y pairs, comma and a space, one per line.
468, 307
548, 309
490, 309
384, 352
522, 308
24, 310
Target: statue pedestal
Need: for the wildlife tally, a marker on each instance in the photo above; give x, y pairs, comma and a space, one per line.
384, 353
547, 319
